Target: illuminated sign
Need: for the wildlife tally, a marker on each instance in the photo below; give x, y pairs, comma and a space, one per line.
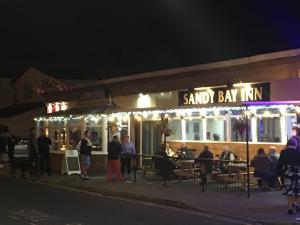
57, 106
236, 94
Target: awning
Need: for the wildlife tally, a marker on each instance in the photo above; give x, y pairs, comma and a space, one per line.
104, 108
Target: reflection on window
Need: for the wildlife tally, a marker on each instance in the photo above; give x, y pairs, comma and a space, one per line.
268, 129
175, 126
216, 130
96, 134
151, 137
238, 129
194, 130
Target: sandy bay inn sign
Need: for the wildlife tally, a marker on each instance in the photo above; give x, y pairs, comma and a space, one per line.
238, 93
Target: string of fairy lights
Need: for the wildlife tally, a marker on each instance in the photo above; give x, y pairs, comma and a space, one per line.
212, 112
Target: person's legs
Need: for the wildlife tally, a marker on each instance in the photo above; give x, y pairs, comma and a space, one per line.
42, 168
123, 165
116, 169
128, 165
83, 167
47, 162
290, 204
109, 170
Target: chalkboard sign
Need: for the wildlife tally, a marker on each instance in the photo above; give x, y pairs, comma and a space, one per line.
70, 163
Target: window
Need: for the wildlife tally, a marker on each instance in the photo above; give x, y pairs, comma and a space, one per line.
176, 130
27, 92
216, 130
196, 133
96, 134
151, 137
238, 129
268, 129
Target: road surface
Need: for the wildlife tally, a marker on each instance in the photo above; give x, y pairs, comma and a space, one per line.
25, 203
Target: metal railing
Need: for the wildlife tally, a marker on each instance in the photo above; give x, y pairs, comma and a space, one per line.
210, 175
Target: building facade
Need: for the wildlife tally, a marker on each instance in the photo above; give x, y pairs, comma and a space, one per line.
198, 105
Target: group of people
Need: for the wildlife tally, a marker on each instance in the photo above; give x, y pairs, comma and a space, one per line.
285, 166
38, 160
265, 166
121, 155
39, 153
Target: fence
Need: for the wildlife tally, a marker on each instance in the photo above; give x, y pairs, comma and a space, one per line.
210, 175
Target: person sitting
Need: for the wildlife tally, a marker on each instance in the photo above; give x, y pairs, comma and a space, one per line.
274, 157
205, 161
185, 152
169, 151
163, 163
263, 168
225, 159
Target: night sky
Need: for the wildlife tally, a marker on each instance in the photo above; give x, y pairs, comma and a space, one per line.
106, 38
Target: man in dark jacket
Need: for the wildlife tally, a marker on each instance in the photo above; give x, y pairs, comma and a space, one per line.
205, 160
113, 164
43, 143
32, 147
263, 165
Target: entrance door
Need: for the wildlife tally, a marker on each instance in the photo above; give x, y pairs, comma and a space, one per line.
151, 137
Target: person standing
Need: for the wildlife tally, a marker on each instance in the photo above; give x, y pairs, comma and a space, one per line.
11, 143
288, 167
296, 135
85, 153
113, 163
127, 154
32, 148
44, 151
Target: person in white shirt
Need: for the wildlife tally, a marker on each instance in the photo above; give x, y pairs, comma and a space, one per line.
127, 154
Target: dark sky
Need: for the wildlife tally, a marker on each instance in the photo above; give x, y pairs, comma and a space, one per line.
105, 38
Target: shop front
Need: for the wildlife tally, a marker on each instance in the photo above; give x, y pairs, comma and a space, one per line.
212, 116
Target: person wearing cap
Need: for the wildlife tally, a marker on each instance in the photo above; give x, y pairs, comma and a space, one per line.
127, 154
113, 163
289, 168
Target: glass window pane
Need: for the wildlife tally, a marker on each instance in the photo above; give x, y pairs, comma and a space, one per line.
151, 137
216, 129
268, 129
194, 131
175, 126
238, 129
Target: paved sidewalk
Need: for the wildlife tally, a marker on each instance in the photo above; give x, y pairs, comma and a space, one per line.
266, 207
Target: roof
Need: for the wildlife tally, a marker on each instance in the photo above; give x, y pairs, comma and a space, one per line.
186, 77
206, 66
14, 110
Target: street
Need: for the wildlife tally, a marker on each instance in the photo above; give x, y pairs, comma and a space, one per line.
25, 203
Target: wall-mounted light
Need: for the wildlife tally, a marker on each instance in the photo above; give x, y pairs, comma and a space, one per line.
144, 101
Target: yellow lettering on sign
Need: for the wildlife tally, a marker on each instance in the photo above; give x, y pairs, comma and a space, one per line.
228, 96
205, 98
186, 100
198, 97
258, 93
220, 96
191, 100
234, 94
